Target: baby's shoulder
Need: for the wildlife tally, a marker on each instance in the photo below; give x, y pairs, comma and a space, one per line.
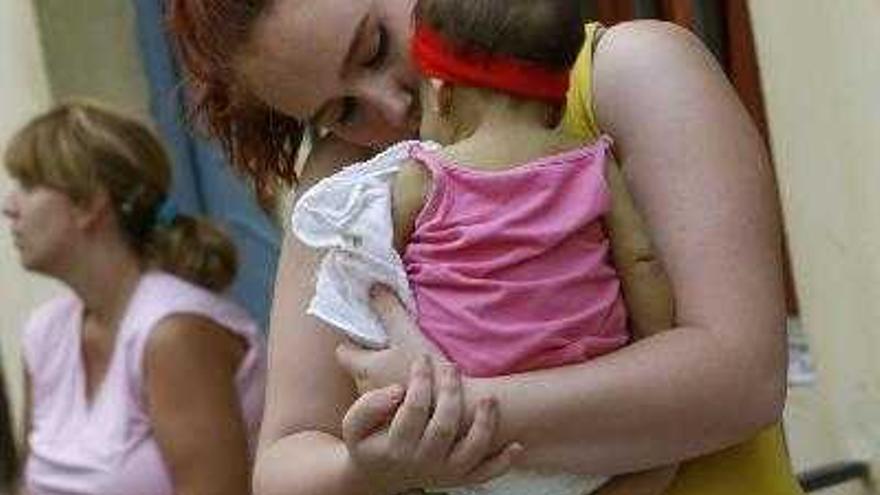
408, 196
411, 180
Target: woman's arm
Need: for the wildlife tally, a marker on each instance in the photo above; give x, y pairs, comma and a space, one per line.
698, 169
190, 367
306, 394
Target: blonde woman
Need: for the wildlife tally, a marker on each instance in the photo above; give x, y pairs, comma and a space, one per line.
141, 379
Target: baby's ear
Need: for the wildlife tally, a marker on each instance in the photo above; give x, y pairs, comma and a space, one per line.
441, 96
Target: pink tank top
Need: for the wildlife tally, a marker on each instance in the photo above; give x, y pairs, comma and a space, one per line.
511, 269
107, 447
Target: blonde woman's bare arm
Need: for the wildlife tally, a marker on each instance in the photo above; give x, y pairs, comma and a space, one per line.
190, 367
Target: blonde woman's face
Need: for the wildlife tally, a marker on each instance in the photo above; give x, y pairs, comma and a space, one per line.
43, 223
342, 65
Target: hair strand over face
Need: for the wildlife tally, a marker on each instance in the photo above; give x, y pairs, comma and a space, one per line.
261, 142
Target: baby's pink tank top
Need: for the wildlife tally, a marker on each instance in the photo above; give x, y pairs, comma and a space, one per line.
107, 446
511, 269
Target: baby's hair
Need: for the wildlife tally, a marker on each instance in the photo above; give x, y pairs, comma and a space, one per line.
549, 33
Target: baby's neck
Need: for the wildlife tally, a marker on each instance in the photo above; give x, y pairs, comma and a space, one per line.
500, 114
503, 136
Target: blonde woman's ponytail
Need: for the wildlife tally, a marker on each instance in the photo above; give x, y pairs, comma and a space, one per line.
191, 248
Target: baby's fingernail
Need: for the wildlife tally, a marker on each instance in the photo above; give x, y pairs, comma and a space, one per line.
515, 449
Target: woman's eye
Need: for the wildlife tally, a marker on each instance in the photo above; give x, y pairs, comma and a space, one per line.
381, 50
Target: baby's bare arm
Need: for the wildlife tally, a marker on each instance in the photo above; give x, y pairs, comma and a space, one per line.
646, 287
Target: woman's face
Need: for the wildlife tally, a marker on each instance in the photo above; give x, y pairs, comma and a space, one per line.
342, 65
43, 222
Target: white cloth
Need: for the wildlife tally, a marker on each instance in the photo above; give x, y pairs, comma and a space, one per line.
348, 216
534, 483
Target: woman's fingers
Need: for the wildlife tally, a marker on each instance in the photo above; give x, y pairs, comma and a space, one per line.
495, 466
421, 446
477, 443
442, 430
370, 413
408, 425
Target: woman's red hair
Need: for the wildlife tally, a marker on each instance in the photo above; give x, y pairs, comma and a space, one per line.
207, 34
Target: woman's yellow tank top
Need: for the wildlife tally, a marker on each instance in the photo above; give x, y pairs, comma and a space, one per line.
759, 466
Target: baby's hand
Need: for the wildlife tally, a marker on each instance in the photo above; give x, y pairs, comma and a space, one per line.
372, 369
423, 447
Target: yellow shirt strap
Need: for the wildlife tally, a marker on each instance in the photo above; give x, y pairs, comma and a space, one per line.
579, 118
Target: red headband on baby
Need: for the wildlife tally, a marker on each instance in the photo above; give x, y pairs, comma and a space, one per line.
438, 58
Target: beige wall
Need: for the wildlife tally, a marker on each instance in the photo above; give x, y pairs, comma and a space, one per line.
23, 91
90, 48
820, 68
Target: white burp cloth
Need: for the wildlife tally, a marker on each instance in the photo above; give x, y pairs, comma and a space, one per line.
522, 482
348, 216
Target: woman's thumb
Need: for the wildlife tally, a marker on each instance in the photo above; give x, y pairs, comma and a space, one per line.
370, 413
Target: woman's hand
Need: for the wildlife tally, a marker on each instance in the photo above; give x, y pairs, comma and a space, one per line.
373, 369
424, 446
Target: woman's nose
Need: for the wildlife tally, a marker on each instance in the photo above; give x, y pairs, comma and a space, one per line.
10, 207
393, 100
